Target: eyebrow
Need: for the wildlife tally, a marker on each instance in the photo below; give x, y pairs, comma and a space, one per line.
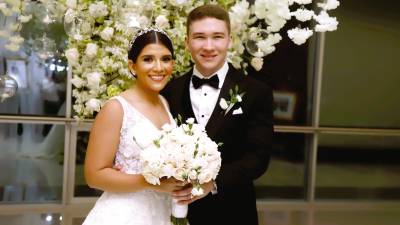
153, 55
202, 33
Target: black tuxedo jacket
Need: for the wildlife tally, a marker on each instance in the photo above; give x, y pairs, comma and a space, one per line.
245, 151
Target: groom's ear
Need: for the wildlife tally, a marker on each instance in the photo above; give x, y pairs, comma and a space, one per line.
187, 43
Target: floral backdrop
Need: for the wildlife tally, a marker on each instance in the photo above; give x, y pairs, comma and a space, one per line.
100, 31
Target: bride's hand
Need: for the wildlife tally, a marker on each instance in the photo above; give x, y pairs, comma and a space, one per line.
184, 196
168, 185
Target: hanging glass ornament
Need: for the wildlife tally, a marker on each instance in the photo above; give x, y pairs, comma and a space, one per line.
44, 47
256, 35
8, 87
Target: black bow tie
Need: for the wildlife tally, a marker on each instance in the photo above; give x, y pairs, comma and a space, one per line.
213, 81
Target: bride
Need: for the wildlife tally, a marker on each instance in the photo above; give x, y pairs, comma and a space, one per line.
127, 197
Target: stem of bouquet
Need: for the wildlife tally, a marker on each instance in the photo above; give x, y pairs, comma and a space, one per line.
179, 213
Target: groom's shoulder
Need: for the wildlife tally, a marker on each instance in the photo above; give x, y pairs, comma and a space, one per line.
175, 85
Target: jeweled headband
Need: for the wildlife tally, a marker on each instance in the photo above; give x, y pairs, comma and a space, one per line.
144, 31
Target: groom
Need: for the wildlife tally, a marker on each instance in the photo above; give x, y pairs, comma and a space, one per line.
244, 126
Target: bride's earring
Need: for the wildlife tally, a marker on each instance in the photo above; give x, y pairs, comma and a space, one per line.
133, 73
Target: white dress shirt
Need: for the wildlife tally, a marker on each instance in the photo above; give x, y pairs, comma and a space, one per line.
204, 99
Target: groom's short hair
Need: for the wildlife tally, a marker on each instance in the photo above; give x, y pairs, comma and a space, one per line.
208, 11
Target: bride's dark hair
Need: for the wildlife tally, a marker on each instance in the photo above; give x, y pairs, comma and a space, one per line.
149, 37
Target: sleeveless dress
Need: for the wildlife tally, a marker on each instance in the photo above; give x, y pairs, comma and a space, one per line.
134, 208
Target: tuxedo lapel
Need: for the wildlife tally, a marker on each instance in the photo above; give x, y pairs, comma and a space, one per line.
186, 102
218, 115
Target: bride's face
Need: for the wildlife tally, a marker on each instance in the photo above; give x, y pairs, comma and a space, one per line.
153, 67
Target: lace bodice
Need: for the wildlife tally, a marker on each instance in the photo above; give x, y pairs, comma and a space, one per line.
145, 207
136, 132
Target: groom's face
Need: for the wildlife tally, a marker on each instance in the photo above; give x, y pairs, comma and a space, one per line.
208, 42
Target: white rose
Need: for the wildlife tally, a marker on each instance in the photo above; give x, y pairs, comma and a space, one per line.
257, 63
93, 79
223, 104
72, 55
162, 22
91, 50
107, 33
93, 105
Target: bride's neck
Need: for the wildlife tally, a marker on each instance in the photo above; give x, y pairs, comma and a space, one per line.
147, 95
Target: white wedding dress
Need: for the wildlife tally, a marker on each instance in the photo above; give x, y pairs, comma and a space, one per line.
136, 208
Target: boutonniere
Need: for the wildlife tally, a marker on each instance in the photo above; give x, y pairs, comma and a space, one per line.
235, 97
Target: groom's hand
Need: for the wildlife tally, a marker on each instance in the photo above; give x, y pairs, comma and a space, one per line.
185, 196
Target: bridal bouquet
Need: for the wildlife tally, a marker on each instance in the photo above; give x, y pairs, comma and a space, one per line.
186, 153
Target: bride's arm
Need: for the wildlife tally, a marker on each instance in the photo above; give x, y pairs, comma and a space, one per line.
102, 147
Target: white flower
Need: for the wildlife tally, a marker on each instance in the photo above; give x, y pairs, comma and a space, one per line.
71, 4
325, 22
132, 3
329, 4
107, 33
190, 121
267, 45
69, 15
98, 9
93, 105
91, 50
77, 81
223, 104
72, 55
239, 13
162, 22
239, 98
24, 18
299, 36
117, 22
257, 63
78, 37
93, 79
178, 2
302, 2
303, 14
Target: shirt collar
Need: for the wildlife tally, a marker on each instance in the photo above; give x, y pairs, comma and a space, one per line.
221, 73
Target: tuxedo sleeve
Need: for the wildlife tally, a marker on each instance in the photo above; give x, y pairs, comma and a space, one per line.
257, 144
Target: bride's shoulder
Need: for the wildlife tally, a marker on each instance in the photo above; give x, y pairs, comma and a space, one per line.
112, 106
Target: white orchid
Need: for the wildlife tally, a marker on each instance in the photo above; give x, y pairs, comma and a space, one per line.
299, 36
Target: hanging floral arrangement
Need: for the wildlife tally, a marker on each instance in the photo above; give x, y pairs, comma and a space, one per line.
100, 32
